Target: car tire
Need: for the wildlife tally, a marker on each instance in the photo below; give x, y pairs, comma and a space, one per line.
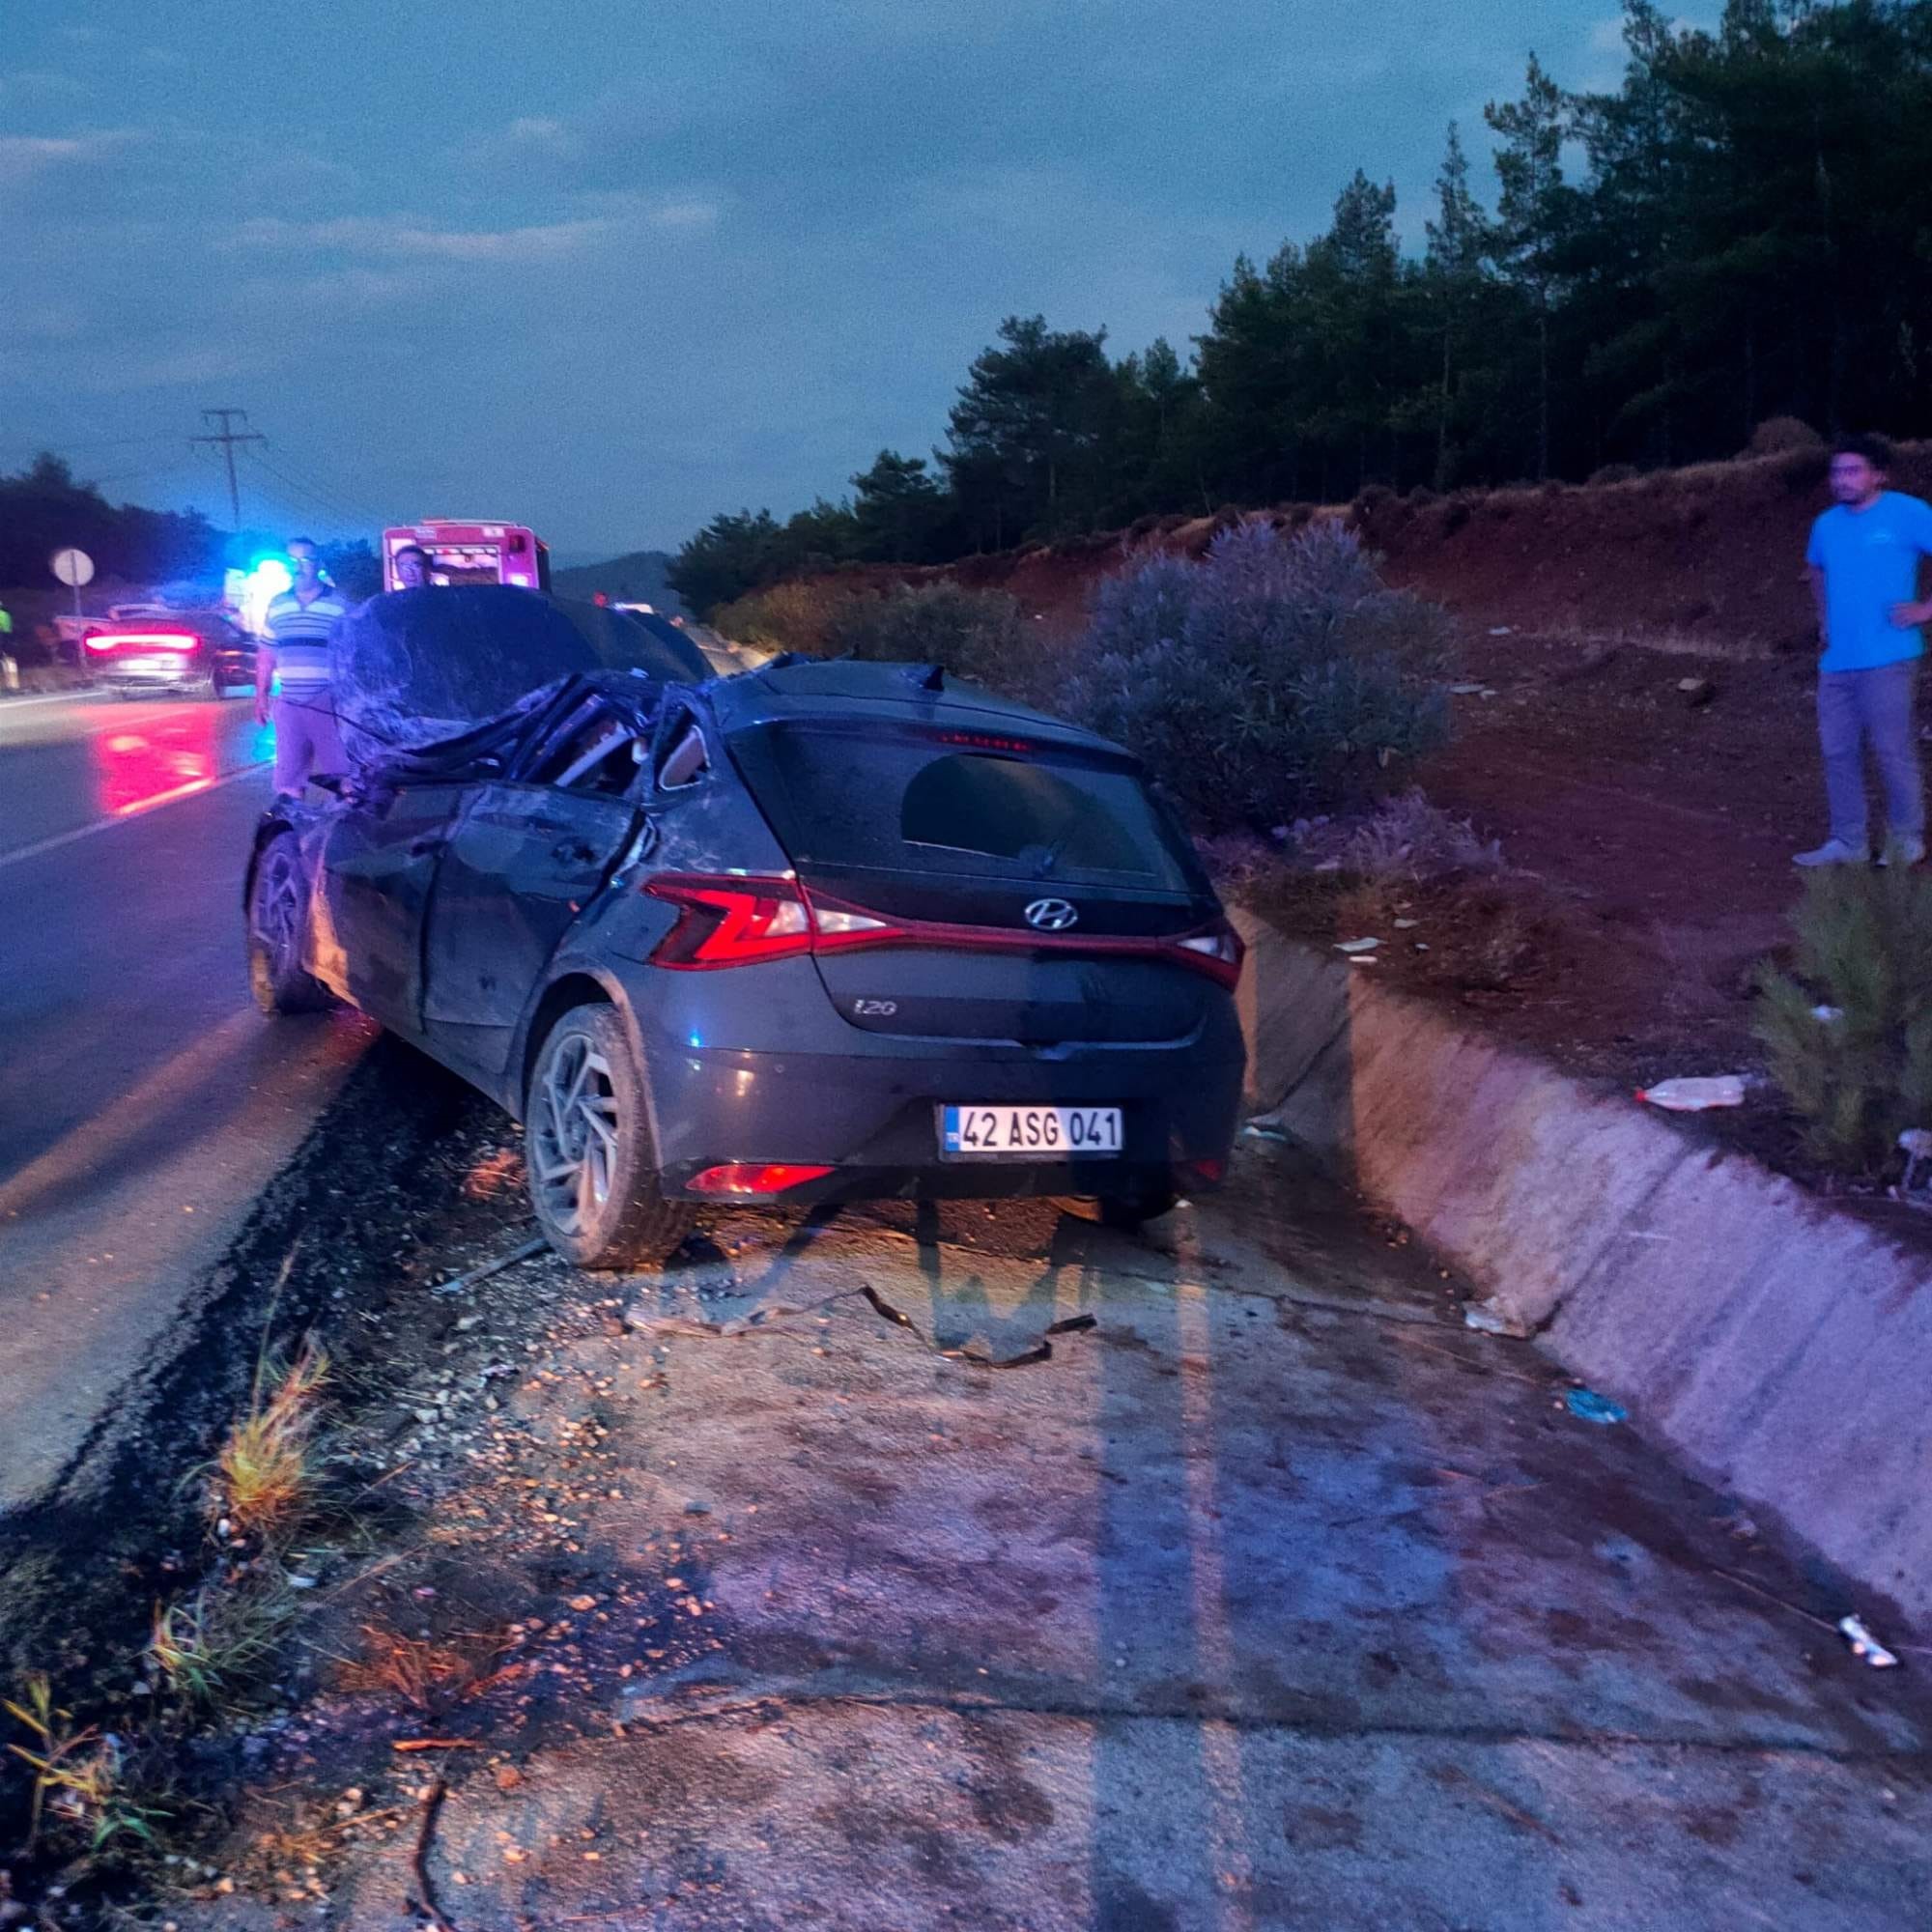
277, 917
588, 1150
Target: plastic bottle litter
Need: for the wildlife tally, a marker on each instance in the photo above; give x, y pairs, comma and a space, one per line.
1693, 1094
1588, 1406
1487, 1319
1865, 1647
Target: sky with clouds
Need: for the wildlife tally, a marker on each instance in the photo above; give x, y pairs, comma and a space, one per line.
608, 268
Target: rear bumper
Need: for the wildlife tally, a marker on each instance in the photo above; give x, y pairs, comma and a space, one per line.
874, 1117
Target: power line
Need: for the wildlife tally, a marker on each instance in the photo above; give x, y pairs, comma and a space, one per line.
321, 498
226, 438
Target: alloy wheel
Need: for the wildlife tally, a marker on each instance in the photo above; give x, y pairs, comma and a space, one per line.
279, 909
574, 1129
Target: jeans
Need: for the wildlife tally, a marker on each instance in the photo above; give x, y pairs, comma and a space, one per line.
306, 739
1855, 706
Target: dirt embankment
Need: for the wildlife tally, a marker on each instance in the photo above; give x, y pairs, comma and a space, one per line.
1633, 721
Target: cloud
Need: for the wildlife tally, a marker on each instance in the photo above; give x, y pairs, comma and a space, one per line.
403, 238
22, 156
684, 214
31, 80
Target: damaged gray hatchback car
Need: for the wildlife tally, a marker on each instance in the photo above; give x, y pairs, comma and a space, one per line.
819, 931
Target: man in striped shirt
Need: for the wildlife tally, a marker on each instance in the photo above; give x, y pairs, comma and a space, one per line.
292, 663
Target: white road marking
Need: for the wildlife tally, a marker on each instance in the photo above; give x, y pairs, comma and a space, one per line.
7, 705
60, 838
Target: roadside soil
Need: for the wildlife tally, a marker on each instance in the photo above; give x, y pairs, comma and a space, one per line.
1647, 834
733, 1595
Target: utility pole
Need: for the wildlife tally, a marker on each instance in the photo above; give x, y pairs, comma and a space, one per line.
225, 438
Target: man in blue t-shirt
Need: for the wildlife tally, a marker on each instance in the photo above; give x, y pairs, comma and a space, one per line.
1864, 558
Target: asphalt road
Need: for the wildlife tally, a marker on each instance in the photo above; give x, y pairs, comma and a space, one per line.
143, 1102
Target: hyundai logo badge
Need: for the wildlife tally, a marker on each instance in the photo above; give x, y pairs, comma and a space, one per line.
1051, 914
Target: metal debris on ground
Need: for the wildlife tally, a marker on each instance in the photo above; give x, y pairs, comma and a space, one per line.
531, 1248
1588, 1406
1865, 1647
1692, 1095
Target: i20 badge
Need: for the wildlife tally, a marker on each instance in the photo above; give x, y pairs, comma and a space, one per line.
1051, 914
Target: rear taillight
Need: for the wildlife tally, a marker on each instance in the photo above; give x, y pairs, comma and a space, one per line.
1218, 953
730, 921
142, 641
748, 1180
736, 921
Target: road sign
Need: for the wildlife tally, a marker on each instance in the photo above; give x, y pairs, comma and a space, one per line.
72, 566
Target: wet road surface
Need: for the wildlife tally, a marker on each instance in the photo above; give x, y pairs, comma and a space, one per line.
143, 1102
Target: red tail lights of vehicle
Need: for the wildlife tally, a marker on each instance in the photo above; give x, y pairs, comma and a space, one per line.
730, 921
736, 921
1218, 952
749, 1179
141, 641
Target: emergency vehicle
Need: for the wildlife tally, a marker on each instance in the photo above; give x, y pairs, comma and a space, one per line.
470, 552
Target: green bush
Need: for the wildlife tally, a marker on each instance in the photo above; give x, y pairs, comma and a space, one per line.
785, 617
973, 634
1862, 1073
1276, 676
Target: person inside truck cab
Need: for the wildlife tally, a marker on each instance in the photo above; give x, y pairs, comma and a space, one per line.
413, 568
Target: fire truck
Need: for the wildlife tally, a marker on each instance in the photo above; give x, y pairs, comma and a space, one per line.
470, 552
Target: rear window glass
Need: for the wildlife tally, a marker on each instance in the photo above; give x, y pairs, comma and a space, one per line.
842, 800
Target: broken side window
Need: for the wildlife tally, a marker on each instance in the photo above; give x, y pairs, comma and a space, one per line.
684, 757
600, 755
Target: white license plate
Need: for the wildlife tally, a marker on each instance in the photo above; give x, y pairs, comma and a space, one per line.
1027, 1133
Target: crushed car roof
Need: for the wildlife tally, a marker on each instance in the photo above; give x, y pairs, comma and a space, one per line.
415, 668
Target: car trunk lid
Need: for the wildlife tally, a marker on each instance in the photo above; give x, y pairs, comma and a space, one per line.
974, 886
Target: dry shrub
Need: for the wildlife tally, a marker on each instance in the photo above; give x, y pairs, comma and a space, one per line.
975, 634
426, 1672
1407, 837
1780, 435
1280, 675
786, 618
1614, 473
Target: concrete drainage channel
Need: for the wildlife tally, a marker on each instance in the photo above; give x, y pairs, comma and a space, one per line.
1774, 1344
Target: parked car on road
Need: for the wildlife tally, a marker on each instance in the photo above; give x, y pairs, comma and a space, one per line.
812, 932
153, 652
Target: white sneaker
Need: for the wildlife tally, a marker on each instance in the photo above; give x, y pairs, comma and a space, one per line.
1834, 852
1903, 852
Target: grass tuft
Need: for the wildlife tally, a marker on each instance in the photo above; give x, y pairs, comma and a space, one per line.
265, 1473
77, 1773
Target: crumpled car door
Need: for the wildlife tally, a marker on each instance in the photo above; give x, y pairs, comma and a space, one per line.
520, 865
378, 864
